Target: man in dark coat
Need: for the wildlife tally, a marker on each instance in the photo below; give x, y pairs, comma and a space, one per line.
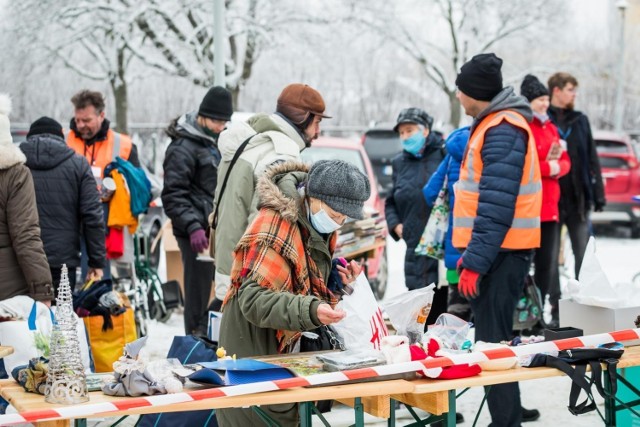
190, 178
582, 188
405, 208
496, 217
68, 201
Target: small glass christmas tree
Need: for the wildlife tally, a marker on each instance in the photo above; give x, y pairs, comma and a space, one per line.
66, 381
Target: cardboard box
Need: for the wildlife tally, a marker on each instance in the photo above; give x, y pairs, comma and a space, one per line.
173, 257
596, 320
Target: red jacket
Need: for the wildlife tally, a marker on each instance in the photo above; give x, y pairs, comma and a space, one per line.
545, 135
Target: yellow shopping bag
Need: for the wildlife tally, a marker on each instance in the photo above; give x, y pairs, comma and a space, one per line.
107, 346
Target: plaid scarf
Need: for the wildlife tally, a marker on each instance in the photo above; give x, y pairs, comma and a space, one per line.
272, 254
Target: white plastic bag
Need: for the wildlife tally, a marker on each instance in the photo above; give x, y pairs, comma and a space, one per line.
363, 327
408, 312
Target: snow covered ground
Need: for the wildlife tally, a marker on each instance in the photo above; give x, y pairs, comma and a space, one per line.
618, 256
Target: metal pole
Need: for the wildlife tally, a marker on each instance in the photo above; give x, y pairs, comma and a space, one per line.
618, 106
219, 43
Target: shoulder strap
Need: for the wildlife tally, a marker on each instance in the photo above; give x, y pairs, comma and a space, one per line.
237, 154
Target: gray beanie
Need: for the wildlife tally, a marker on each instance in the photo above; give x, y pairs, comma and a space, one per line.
340, 185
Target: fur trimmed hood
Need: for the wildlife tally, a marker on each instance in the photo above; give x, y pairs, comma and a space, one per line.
10, 154
281, 188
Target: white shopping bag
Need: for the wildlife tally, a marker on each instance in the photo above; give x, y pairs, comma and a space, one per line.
363, 327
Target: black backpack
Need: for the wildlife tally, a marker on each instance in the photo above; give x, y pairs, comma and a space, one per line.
574, 362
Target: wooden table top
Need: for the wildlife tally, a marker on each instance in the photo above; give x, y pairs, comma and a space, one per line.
24, 401
631, 357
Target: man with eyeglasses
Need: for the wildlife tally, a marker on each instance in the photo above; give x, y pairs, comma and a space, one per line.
582, 188
190, 179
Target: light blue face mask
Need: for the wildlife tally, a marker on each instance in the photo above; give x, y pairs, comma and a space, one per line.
414, 143
322, 222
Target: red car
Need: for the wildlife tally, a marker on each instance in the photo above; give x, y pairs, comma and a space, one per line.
618, 156
352, 151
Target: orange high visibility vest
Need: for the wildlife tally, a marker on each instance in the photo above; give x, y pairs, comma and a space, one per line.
101, 153
525, 228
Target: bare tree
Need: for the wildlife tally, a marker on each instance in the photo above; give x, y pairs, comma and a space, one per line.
440, 35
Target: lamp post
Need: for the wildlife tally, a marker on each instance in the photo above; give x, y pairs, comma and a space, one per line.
618, 106
218, 43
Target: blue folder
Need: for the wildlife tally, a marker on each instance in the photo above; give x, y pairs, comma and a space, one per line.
241, 371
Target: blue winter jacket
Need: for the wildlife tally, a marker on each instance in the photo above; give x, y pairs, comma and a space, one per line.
449, 167
503, 155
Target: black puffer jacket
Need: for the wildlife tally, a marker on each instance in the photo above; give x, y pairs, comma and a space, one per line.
406, 205
582, 188
190, 176
67, 198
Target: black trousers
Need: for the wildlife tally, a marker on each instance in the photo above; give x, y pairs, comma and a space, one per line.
546, 262
198, 280
493, 308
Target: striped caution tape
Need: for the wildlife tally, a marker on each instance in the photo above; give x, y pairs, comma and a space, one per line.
429, 367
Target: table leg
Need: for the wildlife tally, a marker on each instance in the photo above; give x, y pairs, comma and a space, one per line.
358, 408
306, 411
391, 421
451, 415
82, 422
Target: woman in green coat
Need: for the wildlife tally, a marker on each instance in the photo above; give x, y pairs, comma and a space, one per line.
281, 266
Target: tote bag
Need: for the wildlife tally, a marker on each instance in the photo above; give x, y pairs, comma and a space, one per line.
432, 240
107, 346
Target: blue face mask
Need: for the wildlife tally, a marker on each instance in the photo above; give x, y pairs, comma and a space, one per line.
414, 143
323, 223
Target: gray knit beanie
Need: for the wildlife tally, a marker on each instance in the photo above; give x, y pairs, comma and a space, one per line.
340, 185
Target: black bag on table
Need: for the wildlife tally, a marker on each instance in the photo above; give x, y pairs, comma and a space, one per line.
574, 362
327, 339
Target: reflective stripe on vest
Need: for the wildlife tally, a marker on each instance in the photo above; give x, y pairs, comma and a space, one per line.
524, 232
115, 151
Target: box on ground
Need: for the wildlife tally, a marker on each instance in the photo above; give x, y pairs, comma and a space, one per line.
597, 320
172, 252
213, 330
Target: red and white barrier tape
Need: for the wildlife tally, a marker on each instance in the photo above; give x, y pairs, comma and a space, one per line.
92, 409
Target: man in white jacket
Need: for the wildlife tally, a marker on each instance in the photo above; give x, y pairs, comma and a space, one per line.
272, 139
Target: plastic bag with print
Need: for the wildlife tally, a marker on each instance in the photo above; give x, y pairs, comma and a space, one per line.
363, 327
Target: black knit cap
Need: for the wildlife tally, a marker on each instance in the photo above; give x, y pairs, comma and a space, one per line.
217, 104
45, 125
531, 88
340, 185
481, 77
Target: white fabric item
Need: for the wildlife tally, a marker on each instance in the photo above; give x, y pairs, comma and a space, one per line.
363, 327
554, 167
5, 125
17, 334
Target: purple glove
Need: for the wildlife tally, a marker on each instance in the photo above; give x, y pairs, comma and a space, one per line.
198, 240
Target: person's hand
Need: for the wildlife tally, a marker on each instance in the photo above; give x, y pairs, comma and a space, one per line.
198, 240
398, 230
94, 274
468, 283
555, 151
349, 273
328, 315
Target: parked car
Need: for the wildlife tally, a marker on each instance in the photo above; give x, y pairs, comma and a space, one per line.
19, 133
353, 152
620, 166
382, 144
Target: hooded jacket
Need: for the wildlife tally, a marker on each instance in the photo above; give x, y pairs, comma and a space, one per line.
273, 140
450, 168
68, 201
406, 205
23, 264
190, 175
253, 315
503, 157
